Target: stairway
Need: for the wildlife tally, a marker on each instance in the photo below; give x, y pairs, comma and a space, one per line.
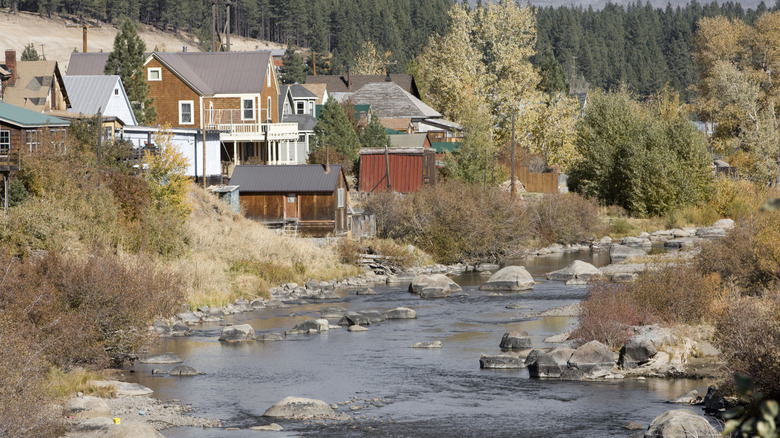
290, 228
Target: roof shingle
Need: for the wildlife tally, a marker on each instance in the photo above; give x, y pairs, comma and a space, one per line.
304, 178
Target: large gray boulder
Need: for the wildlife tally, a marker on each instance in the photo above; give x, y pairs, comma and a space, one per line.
578, 272
510, 278
355, 318
85, 407
515, 340
299, 408
549, 364
121, 389
636, 242
620, 253
680, 423
439, 286
310, 326
400, 313
184, 370
238, 333
726, 224
594, 359
502, 361
644, 346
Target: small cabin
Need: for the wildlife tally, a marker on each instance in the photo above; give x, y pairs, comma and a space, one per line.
307, 199
408, 169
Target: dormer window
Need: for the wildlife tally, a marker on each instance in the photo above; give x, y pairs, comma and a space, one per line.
154, 74
300, 106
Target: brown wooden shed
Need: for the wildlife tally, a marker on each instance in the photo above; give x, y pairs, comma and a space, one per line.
410, 169
305, 199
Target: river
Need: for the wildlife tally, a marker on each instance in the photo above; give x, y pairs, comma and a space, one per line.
421, 392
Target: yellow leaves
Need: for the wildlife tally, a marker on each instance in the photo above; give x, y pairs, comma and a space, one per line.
368, 61
166, 174
553, 130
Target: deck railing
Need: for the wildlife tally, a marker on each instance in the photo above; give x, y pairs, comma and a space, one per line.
232, 127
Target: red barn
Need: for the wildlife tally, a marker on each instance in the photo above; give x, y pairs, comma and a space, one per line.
409, 169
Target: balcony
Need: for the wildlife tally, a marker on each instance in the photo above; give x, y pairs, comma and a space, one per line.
232, 128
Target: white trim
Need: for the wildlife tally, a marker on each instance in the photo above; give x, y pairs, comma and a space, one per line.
192, 112
5, 145
268, 111
221, 95
149, 72
243, 109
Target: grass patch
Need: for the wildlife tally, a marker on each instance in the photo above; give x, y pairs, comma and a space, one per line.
66, 384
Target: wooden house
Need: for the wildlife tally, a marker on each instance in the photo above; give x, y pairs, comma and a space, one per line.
25, 130
34, 85
307, 199
410, 168
235, 93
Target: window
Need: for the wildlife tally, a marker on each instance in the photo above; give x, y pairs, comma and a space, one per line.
291, 199
311, 108
268, 75
116, 91
302, 138
300, 107
155, 74
248, 109
269, 109
340, 196
5, 143
31, 139
185, 112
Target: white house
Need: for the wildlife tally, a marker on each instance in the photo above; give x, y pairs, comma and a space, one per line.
90, 94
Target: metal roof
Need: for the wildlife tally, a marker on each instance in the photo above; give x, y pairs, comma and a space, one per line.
24, 118
89, 93
408, 140
90, 64
298, 91
212, 73
304, 178
388, 100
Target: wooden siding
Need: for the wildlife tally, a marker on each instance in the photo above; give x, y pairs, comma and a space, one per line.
408, 172
537, 182
167, 93
267, 207
11, 160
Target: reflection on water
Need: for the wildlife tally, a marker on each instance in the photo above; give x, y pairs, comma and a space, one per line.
423, 393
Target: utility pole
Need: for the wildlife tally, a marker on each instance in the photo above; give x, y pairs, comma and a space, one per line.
215, 24
84, 26
43, 56
512, 188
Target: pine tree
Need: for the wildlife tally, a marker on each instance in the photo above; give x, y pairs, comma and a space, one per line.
30, 54
127, 61
553, 77
334, 131
293, 68
374, 135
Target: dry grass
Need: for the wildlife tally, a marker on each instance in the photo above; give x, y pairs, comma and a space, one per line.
65, 384
233, 257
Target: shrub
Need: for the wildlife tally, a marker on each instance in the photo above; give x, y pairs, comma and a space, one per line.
620, 227
736, 199
607, 315
562, 218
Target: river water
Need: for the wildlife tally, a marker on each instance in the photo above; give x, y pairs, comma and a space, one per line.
421, 392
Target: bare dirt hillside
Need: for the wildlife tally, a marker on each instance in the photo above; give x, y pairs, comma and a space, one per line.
57, 42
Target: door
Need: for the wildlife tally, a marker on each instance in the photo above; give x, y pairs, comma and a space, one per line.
291, 207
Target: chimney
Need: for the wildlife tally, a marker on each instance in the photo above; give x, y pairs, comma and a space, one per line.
184, 48
10, 64
349, 79
387, 78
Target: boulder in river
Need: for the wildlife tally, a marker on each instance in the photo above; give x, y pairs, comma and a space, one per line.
400, 313
515, 340
184, 370
354, 318
502, 361
510, 278
299, 408
578, 272
548, 364
620, 253
434, 286
237, 333
165, 358
310, 326
432, 344
680, 423
594, 359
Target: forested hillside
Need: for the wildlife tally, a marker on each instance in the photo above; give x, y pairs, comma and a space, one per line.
401, 27
639, 45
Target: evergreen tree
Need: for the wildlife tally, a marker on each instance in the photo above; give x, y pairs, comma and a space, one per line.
374, 135
29, 53
293, 68
553, 78
334, 130
127, 61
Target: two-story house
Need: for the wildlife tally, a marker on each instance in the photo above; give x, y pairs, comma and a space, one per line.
297, 105
235, 93
33, 85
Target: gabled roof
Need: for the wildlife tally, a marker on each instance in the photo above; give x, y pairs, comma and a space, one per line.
318, 90
34, 80
305, 122
408, 140
298, 91
210, 73
388, 100
304, 178
91, 64
90, 93
24, 118
338, 83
